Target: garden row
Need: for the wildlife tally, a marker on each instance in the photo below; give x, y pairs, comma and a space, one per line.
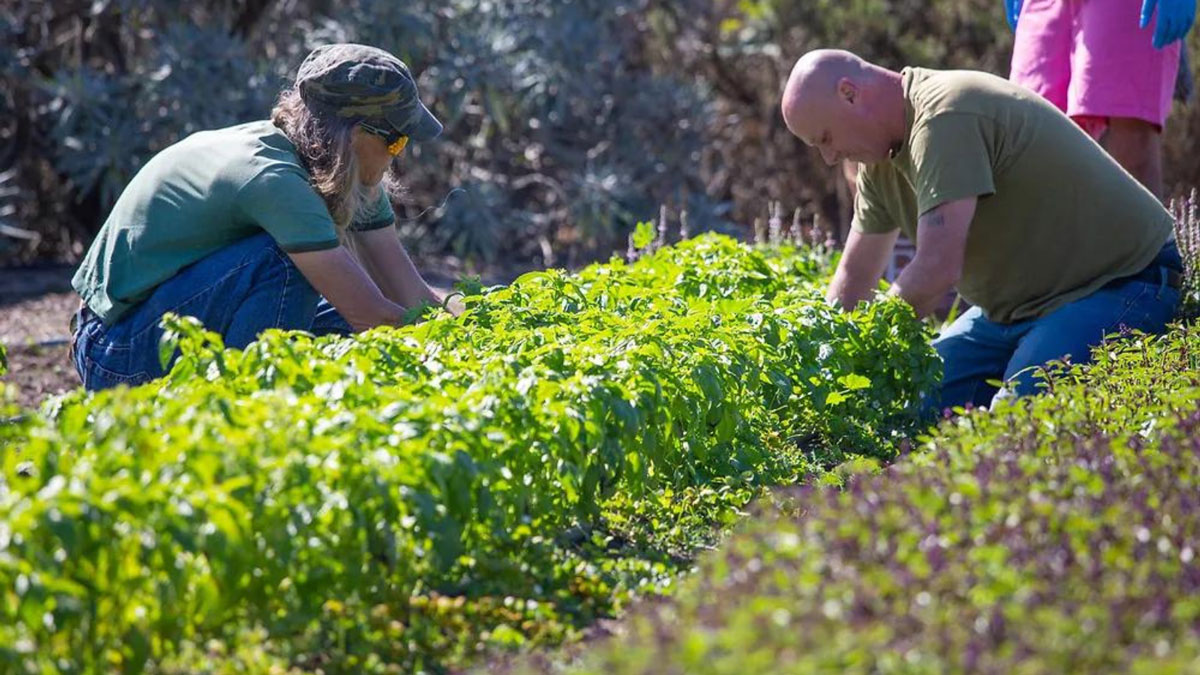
409, 498
1054, 534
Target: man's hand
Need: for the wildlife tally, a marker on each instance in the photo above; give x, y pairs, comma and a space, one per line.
941, 248
1175, 19
862, 264
1012, 10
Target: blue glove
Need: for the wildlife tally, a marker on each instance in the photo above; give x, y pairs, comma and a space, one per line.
1012, 9
1175, 19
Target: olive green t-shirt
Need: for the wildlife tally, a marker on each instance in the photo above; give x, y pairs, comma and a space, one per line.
1057, 218
199, 195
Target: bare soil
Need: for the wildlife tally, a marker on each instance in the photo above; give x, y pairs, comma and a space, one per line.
36, 304
35, 307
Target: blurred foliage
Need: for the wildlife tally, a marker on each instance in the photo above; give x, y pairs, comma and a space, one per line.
560, 135
567, 121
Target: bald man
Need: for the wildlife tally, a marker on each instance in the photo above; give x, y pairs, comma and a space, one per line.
1008, 201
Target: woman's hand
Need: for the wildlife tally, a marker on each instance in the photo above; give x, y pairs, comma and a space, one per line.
453, 303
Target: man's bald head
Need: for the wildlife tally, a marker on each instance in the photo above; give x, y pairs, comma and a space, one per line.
843, 105
814, 79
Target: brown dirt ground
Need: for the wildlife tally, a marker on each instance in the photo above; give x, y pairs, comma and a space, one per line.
35, 306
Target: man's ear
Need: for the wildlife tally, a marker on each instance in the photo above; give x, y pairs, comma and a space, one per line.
847, 90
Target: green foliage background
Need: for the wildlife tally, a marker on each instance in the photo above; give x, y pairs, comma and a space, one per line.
567, 121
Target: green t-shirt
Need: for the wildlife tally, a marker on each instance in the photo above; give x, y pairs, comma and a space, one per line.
199, 195
1057, 218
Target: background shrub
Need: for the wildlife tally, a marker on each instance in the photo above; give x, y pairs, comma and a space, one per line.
567, 122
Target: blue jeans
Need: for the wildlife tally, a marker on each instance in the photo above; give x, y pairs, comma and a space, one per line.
975, 350
238, 292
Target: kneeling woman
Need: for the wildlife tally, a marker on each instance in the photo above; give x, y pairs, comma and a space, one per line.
244, 227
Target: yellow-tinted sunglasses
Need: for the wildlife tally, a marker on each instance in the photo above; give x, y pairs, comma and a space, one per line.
397, 147
395, 141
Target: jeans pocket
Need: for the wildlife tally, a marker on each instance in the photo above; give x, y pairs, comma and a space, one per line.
104, 337
103, 361
1149, 307
96, 377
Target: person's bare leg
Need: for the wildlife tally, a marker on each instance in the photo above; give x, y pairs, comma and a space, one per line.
1137, 146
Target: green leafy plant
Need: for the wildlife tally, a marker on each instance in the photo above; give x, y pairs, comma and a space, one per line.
410, 498
1052, 533
1187, 237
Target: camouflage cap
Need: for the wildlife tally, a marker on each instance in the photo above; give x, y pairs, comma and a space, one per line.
367, 84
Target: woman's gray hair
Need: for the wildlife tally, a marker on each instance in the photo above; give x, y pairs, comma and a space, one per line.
324, 143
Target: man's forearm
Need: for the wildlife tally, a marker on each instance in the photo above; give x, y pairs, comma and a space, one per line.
922, 284
861, 267
941, 249
846, 292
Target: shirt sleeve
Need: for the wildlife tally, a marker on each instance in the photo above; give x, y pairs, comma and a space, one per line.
952, 160
883, 200
377, 214
286, 206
